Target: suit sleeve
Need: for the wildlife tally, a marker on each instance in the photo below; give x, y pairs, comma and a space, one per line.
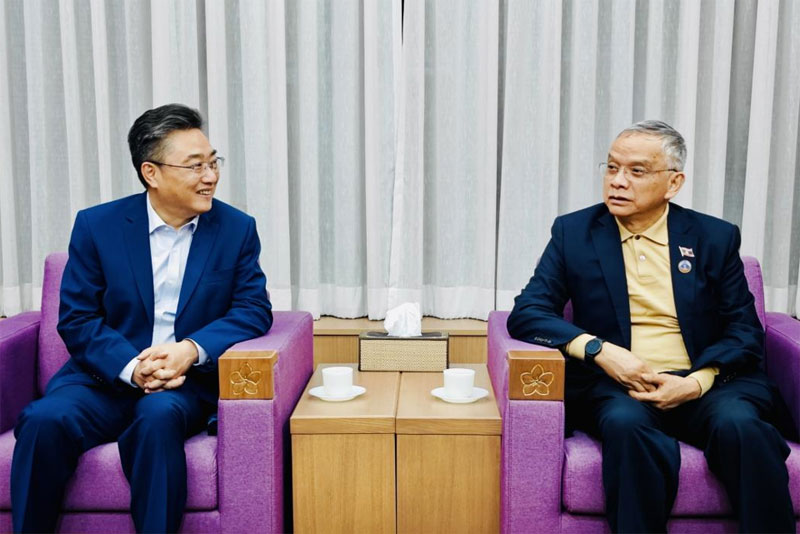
741, 345
250, 312
99, 349
537, 314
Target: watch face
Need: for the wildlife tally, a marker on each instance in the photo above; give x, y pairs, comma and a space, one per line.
593, 347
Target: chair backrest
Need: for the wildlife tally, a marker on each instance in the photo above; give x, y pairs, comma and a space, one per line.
752, 271
52, 351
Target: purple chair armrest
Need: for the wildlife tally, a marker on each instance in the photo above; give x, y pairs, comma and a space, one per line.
533, 444
253, 450
19, 337
783, 359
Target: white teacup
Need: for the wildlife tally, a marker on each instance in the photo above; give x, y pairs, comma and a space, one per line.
337, 381
458, 382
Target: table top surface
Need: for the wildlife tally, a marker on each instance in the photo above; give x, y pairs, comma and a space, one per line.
419, 412
371, 413
399, 403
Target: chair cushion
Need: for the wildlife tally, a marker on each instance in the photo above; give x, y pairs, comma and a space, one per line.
699, 492
100, 485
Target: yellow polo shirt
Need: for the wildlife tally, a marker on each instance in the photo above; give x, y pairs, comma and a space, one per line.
655, 332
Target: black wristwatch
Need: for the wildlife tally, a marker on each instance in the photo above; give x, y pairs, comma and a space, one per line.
593, 348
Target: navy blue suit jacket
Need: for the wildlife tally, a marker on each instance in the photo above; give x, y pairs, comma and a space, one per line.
106, 310
583, 263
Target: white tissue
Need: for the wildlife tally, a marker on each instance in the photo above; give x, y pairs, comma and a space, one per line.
404, 320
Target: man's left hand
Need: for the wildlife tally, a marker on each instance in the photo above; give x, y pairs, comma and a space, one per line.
671, 390
167, 364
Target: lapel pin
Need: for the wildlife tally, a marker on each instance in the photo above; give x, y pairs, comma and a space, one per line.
686, 252
685, 266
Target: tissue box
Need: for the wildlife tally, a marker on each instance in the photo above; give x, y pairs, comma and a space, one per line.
378, 351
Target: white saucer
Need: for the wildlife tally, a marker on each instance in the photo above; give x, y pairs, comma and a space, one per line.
477, 393
319, 392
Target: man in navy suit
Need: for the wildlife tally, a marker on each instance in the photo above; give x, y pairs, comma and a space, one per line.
665, 343
157, 286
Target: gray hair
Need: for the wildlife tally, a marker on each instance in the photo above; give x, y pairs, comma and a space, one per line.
672, 142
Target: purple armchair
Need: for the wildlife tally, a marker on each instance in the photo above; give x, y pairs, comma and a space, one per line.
235, 479
552, 484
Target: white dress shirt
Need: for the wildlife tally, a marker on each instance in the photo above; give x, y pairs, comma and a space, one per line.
169, 250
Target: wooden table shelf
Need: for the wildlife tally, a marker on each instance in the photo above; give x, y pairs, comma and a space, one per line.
336, 340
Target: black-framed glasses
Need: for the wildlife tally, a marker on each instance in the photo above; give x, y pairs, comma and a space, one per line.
197, 168
637, 171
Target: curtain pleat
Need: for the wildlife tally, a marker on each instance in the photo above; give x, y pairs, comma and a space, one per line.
531, 189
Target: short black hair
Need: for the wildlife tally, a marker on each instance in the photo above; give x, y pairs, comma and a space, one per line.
148, 132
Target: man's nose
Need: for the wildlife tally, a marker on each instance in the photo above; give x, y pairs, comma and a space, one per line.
620, 180
209, 176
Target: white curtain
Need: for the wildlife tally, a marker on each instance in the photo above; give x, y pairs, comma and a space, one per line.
444, 213
299, 97
400, 151
725, 74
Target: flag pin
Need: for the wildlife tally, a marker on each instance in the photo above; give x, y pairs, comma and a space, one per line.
686, 252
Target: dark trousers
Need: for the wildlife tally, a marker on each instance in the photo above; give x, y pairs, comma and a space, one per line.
54, 431
733, 423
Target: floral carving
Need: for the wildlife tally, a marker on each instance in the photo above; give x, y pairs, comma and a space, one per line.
245, 380
537, 381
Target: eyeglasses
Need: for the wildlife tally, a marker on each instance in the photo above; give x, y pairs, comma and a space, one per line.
637, 171
198, 168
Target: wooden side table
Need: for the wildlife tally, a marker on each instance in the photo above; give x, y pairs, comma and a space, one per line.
343, 458
448, 458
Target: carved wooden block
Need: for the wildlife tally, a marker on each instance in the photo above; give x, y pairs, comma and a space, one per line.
246, 375
535, 375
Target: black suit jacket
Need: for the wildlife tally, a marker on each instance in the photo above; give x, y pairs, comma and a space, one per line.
583, 263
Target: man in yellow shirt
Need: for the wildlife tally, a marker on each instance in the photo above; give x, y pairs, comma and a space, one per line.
665, 342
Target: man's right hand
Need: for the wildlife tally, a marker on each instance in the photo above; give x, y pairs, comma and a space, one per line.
625, 367
163, 379
139, 378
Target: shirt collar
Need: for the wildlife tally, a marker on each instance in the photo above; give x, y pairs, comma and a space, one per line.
154, 220
657, 232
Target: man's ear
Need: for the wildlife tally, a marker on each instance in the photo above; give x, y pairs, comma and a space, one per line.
674, 184
150, 174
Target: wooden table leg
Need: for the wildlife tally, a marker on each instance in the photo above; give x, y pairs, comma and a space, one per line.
343, 483
448, 483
